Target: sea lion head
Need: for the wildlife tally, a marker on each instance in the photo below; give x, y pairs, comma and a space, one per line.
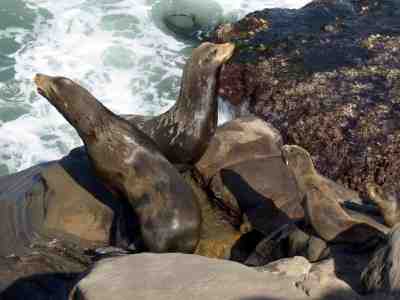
375, 193
74, 102
212, 55
52, 87
298, 160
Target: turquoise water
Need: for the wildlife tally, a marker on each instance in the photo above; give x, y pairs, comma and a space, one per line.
115, 48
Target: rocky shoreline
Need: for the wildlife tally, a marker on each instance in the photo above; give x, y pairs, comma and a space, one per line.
325, 77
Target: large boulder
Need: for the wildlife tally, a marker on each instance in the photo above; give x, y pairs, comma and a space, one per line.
186, 18
243, 169
183, 276
327, 77
58, 200
239, 140
383, 271
50, 215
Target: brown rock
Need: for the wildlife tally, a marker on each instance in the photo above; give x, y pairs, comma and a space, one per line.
49, 215
261, 188
73, 210
311, 247
217, 235
239, 140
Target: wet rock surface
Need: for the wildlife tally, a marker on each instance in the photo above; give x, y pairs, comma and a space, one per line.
327, 77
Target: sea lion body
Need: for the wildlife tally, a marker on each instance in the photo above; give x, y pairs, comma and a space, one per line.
129, 162
184, 132
388, 204
322, 203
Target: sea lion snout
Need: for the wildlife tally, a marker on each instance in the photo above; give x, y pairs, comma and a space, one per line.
42, 82
45, 84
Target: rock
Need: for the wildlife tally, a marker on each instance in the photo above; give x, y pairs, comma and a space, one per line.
317, 281
49, 215
48, 272
327, 77
320, 280
244, 170
239, 140
310, 246
217, 236
59, 200
261, 188
383, 271
270, 248
186, 18
294, 267
287, 241
184, 276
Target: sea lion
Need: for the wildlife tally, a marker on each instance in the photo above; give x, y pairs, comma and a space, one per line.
387, 203
184, 131
322, 203
129, 162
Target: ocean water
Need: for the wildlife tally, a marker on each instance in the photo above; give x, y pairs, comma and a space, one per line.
115, 48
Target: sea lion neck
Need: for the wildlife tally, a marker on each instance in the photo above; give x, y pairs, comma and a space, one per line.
74, 102
198, 93
300, 164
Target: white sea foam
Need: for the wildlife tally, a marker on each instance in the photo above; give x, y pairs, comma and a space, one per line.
131, 71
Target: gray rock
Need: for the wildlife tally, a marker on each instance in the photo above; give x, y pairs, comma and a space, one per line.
310, 246
186, 18
294, 267
383, 271
183, 276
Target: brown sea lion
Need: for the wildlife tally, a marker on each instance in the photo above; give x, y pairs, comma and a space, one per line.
387, 203
184, 132
129, 162
322, 203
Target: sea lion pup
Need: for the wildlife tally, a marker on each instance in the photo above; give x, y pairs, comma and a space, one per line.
184, 132
388, 204
322, 203
129, 162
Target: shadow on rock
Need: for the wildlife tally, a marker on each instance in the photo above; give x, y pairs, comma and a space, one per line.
262, 213
50, 286
124, 224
